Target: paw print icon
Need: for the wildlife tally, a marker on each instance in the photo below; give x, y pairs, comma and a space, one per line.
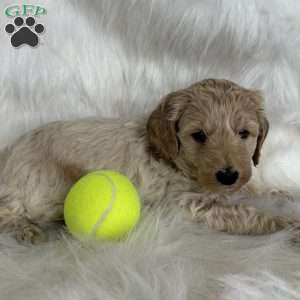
24, 32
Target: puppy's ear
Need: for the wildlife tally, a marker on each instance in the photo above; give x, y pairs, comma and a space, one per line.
263, 131
263, 128
162, 125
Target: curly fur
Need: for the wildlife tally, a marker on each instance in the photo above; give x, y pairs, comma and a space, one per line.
117, 59
42, 165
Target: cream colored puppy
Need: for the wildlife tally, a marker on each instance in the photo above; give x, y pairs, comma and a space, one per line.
198, 145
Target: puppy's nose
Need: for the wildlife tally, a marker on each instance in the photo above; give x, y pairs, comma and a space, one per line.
227, 176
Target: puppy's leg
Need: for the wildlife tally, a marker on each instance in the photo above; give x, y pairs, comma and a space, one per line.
24, 230
242, 219
13, 219
257, 187
33, 198
235, 219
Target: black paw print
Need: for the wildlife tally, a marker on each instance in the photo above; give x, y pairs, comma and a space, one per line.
26, 34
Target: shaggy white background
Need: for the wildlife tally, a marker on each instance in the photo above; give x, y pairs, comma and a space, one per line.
117, 58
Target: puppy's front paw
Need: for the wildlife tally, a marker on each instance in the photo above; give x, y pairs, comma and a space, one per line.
30, 233
295, 235
280, 223
197, 204
280, 194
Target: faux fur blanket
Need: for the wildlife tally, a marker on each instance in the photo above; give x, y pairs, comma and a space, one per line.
117, 58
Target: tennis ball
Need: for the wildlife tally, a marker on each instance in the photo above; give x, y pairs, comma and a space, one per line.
102, 205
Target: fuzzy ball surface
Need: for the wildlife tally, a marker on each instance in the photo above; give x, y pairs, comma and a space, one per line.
102, 205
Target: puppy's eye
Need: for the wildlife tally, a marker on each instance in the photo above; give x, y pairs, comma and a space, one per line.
244, 133
199, 136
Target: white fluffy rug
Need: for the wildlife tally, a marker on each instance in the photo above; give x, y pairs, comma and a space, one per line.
116, 58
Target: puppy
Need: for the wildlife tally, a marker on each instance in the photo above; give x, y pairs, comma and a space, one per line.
195, 148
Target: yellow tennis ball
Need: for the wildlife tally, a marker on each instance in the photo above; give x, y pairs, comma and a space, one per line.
102, 205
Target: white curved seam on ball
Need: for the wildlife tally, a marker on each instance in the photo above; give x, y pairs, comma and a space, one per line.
108, 209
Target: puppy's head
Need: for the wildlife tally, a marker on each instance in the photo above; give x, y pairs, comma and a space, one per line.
212, 131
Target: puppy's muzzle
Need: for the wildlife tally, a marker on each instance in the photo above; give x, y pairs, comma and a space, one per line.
227, 176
